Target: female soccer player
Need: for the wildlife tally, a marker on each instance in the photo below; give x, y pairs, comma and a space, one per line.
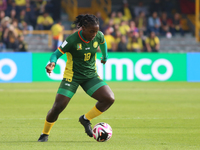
80, 48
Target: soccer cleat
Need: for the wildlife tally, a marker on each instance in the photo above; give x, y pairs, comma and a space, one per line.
87, 126
43, 138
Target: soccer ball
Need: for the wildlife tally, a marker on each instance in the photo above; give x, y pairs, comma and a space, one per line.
102, 132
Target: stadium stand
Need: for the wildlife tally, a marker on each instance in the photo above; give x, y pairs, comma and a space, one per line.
179, 44
128, 18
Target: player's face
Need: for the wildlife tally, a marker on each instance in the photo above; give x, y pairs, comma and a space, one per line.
90, 32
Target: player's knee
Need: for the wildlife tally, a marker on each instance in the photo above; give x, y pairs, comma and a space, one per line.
58, 107
110, 98
60, 103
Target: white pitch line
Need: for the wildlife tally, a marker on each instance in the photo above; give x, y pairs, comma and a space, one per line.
102, 118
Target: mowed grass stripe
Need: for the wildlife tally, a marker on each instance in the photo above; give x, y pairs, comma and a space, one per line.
145, 115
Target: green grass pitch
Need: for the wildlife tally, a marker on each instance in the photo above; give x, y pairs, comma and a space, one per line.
145, 116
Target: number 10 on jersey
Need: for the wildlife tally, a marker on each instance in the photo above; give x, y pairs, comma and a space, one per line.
87, 56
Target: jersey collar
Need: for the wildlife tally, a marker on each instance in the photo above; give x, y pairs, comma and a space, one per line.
81, 37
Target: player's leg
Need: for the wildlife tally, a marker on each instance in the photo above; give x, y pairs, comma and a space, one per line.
64, 94
105, 98
100, 91
59, 105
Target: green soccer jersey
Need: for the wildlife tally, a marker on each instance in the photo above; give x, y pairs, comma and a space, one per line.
81, 55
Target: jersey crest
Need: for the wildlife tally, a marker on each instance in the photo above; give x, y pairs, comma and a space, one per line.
95, 44
79, 46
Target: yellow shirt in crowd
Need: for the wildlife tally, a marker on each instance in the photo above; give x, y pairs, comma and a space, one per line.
20, 2
56, 30
124, 29
38, 4
135, 45
117, 40
132, 45
45, 21
127, 13
140, 23
109, 40
140, 43
152, 41
117, 20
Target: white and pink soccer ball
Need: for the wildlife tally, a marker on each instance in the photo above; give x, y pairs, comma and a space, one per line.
102, 132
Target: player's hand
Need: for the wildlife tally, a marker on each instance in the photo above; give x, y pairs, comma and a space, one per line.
50, 67
103, 62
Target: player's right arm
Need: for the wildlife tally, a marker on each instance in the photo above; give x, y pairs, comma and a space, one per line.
65, 47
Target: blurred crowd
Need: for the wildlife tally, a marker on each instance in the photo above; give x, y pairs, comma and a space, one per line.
20, 17
139, 29
135, 30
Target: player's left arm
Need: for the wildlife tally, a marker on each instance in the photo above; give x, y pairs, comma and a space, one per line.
103, 47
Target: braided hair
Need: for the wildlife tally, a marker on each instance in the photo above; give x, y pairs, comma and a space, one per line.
85, 20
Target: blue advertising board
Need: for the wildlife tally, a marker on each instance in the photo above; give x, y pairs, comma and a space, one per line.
19, 67
15, 67
193, 67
